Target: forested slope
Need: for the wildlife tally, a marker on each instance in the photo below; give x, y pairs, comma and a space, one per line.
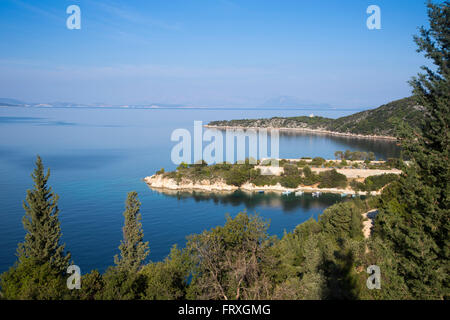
380, 121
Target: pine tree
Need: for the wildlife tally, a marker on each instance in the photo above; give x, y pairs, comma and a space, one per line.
42, 241
133, 250
415, 222
313, 282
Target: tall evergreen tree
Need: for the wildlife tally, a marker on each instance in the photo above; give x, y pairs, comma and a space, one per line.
133, 250
42, 241
39, 271
415, 222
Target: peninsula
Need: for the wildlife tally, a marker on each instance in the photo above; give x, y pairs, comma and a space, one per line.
379, 123
291, 175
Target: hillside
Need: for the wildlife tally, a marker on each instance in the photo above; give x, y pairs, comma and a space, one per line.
378, 122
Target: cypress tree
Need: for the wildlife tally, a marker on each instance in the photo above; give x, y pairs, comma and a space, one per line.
42, 241
414, 224
133, 250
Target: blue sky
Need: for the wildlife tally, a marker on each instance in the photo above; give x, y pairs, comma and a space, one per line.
209, 52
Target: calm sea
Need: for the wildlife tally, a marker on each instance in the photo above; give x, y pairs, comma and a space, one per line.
98, 155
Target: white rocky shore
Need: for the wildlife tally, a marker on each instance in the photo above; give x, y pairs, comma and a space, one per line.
159, 182
306, 130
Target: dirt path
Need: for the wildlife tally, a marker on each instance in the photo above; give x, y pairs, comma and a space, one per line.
349, 173
359, 173
369, 218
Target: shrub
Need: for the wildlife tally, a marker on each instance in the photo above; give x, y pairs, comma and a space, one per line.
291, 170
182, 166
238, 175
301, 163
227, 260
166, 280
357, 186
307, 171
318, 161
311, 179
377, 182
291, 181
374, 183
224, 166
344, 220
332, 179
29, 280
264, 180
395, 163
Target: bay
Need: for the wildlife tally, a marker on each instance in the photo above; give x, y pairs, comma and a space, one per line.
98, 155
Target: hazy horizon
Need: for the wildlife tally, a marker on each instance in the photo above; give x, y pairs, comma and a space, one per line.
214, 53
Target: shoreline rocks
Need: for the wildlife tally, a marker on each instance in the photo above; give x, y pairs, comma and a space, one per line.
159, 182
307, 130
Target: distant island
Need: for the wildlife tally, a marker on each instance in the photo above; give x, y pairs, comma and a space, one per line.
346, 177
379, 123
7, 102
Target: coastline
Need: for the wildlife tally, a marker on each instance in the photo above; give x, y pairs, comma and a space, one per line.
307, 130
158, 182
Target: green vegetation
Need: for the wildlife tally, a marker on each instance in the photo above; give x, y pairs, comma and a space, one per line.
374, 183
381, 121
317, 162
133, 250
291, 177
355, 155
239, 174
234, 261
295, 173
324, 259
413, 222
332, 179
41, 257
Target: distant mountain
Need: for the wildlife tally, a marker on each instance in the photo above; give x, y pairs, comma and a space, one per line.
375, 122
160, 105
289, 101
62, 104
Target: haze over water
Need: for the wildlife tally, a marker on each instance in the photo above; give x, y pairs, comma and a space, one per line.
98, 155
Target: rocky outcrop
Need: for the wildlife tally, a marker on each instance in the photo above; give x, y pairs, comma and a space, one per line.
161, 182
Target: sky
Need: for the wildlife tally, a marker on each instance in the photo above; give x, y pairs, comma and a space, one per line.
210, 52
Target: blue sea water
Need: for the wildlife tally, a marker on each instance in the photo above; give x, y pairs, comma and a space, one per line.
98, 155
